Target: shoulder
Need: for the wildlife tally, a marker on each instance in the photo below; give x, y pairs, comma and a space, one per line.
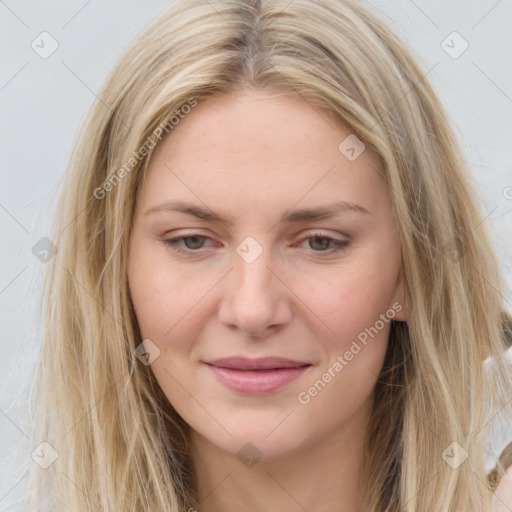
502, 499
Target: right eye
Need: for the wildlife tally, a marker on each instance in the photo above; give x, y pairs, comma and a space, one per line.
196, 239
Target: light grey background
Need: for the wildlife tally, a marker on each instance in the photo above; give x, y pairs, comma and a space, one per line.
44, 101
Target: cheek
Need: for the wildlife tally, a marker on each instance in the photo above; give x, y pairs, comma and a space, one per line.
169, 302
351, 300
154, 300
169, 309
354, 307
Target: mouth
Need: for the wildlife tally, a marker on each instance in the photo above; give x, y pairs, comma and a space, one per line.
257, 376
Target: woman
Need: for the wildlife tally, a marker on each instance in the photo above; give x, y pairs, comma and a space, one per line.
323, 346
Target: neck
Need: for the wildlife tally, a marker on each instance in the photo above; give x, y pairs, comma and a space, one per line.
324, 475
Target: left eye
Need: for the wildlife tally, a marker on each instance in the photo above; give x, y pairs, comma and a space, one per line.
194, 242
173, 243
316, 237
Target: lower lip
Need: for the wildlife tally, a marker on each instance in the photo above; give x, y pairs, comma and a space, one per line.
256, 381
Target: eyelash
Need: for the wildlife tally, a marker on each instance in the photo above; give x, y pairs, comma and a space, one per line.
339, 245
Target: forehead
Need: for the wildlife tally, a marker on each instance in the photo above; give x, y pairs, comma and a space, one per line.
263, 147
253, 123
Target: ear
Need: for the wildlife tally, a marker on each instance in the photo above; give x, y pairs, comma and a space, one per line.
502, 499
401, 300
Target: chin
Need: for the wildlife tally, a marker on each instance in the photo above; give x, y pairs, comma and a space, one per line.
252, 445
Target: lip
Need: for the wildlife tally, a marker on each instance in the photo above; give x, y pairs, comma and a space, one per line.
262, 363
256, 376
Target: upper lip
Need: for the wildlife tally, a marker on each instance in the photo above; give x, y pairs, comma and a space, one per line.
263, 363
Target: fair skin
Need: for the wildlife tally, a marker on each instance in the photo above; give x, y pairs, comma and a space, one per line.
251, 157
502, 499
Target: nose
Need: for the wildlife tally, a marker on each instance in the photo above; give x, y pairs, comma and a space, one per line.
256, 299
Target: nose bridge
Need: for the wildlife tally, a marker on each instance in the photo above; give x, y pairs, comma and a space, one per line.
254, 300
252, 265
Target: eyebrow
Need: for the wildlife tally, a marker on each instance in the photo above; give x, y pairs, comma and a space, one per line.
318, 213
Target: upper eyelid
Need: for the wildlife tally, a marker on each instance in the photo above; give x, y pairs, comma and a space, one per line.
338, 242
317, 233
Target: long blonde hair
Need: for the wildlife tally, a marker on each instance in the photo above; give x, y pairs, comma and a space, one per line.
121, 446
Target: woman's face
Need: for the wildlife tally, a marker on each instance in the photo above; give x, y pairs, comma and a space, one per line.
257, 269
